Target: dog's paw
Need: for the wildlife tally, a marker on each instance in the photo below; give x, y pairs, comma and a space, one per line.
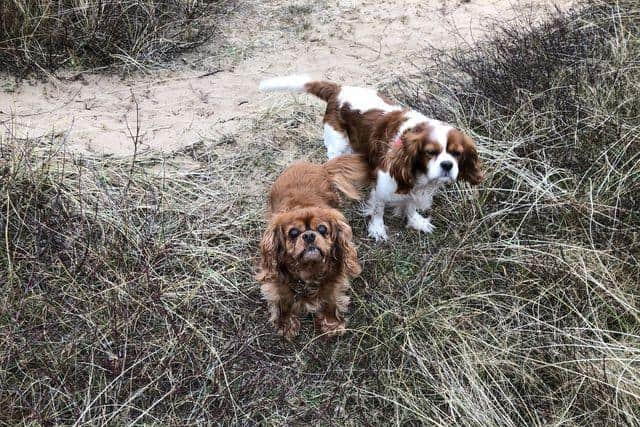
288, 327
421, 224
330, 326
378, 231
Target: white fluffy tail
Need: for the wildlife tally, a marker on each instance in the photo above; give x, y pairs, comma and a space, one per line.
286, 84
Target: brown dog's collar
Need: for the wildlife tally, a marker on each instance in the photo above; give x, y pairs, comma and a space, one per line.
302, 289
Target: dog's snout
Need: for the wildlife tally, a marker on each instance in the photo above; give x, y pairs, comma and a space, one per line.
446, 165
309, 236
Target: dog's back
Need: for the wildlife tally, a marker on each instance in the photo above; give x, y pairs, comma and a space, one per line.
305, 184
356, 119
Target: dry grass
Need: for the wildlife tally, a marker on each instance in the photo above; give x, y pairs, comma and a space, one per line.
43, 35
129, 294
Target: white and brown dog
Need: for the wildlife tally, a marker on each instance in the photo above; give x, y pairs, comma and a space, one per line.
411, 155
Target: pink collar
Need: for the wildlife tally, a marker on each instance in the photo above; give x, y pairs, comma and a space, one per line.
397, 142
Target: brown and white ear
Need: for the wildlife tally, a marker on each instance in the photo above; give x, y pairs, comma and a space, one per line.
272, 252
344, 249
401, 163
469, 163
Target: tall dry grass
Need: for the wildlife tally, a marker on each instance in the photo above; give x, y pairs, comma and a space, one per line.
44, 35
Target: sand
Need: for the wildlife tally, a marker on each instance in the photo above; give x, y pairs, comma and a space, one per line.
212, 92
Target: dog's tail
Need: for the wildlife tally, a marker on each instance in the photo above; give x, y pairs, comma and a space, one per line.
301, 83
349, 173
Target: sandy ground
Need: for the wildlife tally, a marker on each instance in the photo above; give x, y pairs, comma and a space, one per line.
212, 92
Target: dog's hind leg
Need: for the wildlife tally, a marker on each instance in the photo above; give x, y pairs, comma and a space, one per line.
336, 141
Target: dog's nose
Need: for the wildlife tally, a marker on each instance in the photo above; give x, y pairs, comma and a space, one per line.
446, 165
308, 236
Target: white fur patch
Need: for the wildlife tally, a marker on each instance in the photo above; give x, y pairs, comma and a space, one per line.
336, 142
413, 119
380, 195
364, 99
439, 129
420, 223
439, 133
377, 229
419, 198
293, 83
386, 186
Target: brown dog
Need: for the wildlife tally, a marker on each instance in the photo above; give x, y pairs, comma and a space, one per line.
307, 252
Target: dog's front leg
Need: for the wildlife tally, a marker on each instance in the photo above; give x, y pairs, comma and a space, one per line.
417, 221
333, 303
375, 209
280, 300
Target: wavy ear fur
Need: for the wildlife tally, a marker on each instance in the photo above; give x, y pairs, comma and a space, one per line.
344, 250
402, 161
272, 253
470, 163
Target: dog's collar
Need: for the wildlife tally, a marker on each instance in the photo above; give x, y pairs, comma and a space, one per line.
397, 142
302, 289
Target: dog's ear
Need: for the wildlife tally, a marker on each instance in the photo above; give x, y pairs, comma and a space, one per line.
402, 160
469, 163
343, 248
272, 253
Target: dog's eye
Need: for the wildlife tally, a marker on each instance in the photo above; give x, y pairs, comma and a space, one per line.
322, 229
456, 153
293, 233
432, 153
